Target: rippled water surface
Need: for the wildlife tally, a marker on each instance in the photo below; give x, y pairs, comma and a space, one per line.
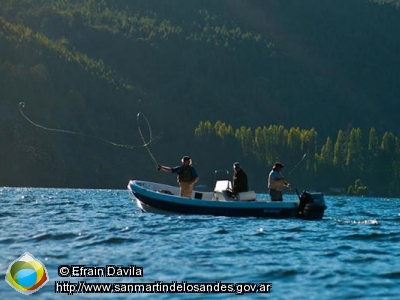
353, 253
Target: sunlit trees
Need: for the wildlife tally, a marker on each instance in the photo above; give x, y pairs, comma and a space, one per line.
355, 154
328, 165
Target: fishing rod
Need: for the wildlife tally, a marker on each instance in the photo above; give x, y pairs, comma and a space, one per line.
288, 185
296, 165
145, 143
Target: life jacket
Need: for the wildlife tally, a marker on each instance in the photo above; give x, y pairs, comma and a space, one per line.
185, 174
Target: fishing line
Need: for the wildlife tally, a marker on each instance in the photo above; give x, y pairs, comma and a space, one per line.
145, 144
304, 156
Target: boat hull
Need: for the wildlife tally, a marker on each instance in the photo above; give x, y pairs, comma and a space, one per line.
152, 198
148, 204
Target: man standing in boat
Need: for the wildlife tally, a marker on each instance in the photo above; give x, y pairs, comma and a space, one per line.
239, 180
187, 176
276, 182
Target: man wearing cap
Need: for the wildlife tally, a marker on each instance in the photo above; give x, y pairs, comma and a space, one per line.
239, 180
276, 182
187, 176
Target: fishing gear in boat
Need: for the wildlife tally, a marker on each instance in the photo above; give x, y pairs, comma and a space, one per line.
145, 143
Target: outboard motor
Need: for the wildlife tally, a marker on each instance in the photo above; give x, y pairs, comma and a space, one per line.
312, 206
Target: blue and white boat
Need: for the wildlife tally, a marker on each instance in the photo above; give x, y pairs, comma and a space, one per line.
161, 198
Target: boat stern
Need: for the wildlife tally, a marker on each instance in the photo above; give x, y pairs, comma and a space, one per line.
312, 206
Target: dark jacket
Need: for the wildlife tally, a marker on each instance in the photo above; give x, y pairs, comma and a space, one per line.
185, 174
239, 182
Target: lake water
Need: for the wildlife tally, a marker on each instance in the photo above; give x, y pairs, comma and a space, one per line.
353, 253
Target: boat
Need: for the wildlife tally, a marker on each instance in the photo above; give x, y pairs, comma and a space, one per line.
164, 199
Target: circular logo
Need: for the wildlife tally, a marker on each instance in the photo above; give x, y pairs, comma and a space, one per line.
26, 274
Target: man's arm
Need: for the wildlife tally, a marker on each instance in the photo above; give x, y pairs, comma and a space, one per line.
164, 168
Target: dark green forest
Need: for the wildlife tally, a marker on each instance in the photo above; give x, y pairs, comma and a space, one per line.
222, 81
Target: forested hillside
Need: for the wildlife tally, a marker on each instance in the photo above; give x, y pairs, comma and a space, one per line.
90, 67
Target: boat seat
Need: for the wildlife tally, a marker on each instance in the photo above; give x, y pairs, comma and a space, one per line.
246, 196
220, 190
222, 195
222, 185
